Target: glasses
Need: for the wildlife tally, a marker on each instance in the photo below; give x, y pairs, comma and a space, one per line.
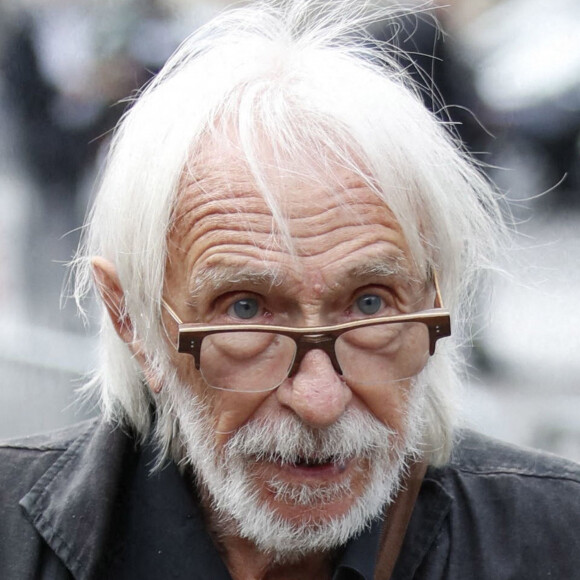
370, 352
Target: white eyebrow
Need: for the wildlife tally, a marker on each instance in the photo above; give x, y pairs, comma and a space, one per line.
379, 267
219, 278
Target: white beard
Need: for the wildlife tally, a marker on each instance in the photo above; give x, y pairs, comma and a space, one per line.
235, 497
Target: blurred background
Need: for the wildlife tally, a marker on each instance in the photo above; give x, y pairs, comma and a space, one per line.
509, 73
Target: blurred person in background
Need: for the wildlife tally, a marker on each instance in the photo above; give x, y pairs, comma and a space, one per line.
67, 67
65, 64
525, 60
427, 48
281, 239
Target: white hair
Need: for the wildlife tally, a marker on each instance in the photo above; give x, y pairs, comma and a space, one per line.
302, 79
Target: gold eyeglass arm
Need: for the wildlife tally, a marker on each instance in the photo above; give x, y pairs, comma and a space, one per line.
171, 312
438, 299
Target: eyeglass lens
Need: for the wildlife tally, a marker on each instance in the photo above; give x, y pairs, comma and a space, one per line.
260, 361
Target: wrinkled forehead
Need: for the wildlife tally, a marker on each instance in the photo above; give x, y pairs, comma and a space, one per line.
231, 218
286, 187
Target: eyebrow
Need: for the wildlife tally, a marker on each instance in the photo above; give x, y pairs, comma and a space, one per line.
380, 267
218, 279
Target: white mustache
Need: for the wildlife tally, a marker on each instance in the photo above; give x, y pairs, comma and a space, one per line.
289, 440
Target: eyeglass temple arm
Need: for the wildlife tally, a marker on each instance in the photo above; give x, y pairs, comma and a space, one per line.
183, 344
179, 322
438, 299
171, 312
442, 327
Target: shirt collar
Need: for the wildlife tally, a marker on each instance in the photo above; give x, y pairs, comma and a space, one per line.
359, 556
104, 514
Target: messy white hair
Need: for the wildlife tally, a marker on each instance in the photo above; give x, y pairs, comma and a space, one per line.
303, 79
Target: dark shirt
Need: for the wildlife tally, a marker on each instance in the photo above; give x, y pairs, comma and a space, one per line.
84, 504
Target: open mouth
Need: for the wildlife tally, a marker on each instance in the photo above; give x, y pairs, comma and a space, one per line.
309, 464
315, 462
312, 461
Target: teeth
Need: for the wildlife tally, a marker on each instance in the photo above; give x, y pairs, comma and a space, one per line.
313, 461
307, 461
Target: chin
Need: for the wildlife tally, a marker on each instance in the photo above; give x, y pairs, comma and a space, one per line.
311, 495
292, 521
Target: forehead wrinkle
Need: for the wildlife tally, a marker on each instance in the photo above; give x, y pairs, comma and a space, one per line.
217, 190
195, 218
196, 204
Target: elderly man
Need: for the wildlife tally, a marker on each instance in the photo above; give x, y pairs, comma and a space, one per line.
279, 232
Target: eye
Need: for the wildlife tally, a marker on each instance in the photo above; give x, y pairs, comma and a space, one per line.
369, 303
245, 308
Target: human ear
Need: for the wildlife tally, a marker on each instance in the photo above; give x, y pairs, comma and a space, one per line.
113, 297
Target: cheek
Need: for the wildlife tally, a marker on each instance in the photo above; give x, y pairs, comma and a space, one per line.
231, 411
228, 411
387, 403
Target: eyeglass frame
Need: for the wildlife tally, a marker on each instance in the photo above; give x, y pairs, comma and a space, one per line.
191, 335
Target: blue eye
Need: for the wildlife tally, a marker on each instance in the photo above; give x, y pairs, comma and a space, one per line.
369, 303
245, 308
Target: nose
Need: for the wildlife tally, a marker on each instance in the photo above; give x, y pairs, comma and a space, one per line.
316, 393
